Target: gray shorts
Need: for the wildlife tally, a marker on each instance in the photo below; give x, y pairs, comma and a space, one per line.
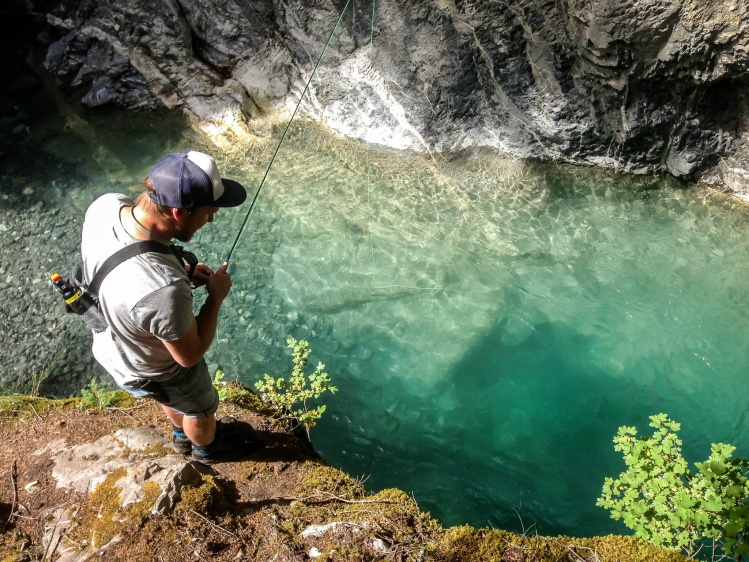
189, 392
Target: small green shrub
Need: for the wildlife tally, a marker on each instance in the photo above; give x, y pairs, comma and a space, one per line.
663, 502
97, 398
289, 398
220, 385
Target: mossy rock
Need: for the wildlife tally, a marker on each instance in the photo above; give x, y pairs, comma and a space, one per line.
208, 498
104, 517
319, 477
465, 543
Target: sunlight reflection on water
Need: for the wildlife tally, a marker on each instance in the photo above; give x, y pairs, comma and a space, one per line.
489, 324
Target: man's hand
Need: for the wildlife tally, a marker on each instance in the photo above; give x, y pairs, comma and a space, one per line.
189, 349
218, 284
201, 275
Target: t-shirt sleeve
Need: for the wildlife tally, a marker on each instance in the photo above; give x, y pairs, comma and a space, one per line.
166, 313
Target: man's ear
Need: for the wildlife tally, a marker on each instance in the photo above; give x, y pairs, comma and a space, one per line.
179, 214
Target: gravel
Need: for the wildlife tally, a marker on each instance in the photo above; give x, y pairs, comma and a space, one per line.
45, 350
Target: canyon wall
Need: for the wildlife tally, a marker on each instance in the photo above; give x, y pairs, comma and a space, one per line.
641, 86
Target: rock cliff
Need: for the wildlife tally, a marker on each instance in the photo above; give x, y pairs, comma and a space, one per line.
87, 483
636, 85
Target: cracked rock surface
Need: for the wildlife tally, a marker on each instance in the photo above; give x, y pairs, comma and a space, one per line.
638, 86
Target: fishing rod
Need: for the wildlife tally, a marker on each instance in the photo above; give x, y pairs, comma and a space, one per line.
283, 137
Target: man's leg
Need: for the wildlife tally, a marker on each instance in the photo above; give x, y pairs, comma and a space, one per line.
174, 416
201, 431
207, 445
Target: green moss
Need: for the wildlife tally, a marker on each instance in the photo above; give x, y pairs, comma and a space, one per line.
208, 498
243, 397
140, 511
105, 517
122, 399
319, 477
16, 406
104, 506
466, 544
157, 450
250, 469
395, 496
496, 545
631, 549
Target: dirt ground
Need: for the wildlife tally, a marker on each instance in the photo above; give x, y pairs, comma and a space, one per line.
283, 503
250, 510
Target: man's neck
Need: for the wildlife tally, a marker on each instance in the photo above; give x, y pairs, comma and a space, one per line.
144, 227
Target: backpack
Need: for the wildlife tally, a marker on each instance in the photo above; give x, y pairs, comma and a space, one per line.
84, 300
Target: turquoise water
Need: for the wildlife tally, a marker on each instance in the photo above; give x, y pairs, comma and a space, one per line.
489, 324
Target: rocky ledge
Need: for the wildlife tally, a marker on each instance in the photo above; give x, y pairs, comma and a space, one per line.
640, 86
98, 479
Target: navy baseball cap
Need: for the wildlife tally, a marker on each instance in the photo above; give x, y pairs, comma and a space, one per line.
185, 180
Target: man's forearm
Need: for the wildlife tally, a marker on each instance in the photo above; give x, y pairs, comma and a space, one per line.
207, 321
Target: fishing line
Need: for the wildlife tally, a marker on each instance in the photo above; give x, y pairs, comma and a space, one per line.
280, 142
369, 196
369, 180
283, 137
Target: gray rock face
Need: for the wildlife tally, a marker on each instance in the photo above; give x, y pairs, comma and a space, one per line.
636, 85
85, 466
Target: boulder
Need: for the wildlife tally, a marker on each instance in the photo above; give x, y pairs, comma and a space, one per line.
83, 467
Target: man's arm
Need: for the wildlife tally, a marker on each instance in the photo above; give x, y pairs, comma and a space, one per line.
190, 348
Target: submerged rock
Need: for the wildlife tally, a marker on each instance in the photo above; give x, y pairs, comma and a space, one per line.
638, 86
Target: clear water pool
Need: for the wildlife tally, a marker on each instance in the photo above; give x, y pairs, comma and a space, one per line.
489, 324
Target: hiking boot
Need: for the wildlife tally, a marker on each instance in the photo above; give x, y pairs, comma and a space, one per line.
181, 445
226, 447
229, 424
226, 425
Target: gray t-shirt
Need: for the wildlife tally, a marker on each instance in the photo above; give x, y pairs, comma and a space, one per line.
146, 299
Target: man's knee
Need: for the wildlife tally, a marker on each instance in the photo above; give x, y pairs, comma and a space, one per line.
201, 431
203, 422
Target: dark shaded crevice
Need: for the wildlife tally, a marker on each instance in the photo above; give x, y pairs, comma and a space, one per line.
218, 61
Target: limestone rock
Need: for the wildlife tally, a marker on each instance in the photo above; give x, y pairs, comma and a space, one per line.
638, 85
85, 466
734, 172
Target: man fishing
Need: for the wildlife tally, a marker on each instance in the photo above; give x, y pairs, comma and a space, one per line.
154, 344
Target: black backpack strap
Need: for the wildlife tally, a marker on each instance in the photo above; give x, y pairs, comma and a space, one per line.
122, 255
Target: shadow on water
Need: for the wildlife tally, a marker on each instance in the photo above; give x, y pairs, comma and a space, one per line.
515, 431
545, 421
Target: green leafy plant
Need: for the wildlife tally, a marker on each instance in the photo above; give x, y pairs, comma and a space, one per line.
663, 502
38, 376
289, 398
98, 398
220, 385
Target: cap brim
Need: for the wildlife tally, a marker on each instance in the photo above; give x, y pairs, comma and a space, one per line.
233, 196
